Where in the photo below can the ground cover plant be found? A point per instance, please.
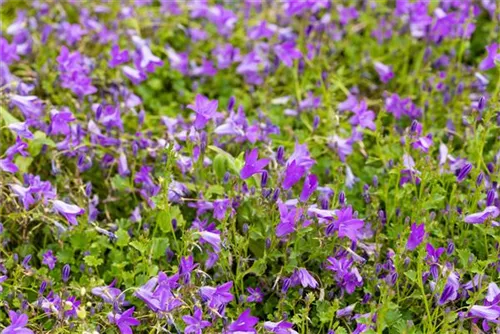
(250, 166)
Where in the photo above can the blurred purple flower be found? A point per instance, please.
(417, 235)
(252, 165)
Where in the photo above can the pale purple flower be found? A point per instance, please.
(49, 259)
(68, 211)
(480, 217)
(205, 110)
(21, 129)
(385, 72)
(17, 325)
(491, 312)
(287, 53)
(135, 75)
(281, 327)
(301, 276)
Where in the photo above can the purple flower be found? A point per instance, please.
(492, 54)
(282, 327)
(288, 219)
(49, 259)
(17, 324)
(8, 166)
(363, 116)
(118, 57)
(287, 52)
(186, 267)
(480, 217)
(135, 75)
(385, 72)
(252, 165)
(256, 295)
(293, 174)
(21, 129)
(347, 278)
(124, 320)
(195, 323)
(310, 185)
(301, 276)
(491, 312)
(66, 271)
(417, 235)
(68, 211)
(245, 324)
(109, 294)
(205, 110)
(493, 294)
(19, 147)
(463, 172)
(423, 143)
(212, 238)
(59, 121)
(450, 291)
(218, 296)
(345, 224)
(8, 52)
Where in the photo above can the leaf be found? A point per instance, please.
(40, 139)
(7, 117)
(119, 183)
(159, 247)
(123, 238)
(141, 247)
(165, 217)
(219, 165)
(258, 267)
(411, 274)
(215, 189)
(93, 261)
(23, 163)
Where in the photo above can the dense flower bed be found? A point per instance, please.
(250, 166)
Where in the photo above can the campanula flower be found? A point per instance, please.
(244, 324)
(17, 325)
(480, 217)
(124, 320)
(417, 235)
(68, 211)
(253, 165)
(195, 323)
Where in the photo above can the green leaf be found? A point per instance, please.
(411, 274)
(214, 189)
(123, 238)
(23, 163)
(219, 165)
(92, 261)
(119, 183)
(40, 139)
(164, 218)
(159, 247)
(7, 117)
(141, 247)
